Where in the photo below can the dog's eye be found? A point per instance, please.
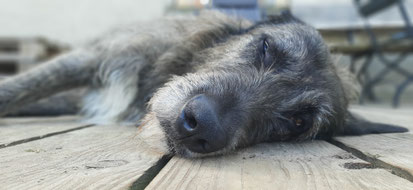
(298, 122)
(265, 47)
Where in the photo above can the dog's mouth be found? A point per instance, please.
(189, 146)
(178, 147)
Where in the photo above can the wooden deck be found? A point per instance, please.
(62, 153)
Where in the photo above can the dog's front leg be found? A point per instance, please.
(65, 72)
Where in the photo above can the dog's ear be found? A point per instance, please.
(356, 125)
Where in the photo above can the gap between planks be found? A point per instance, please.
(375, 161)
(43, 136)
(398, 117)
(102, 157)
(391, 151)
(143, 181)
(15, 131)
(310, 165)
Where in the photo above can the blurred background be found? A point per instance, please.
(372, 38)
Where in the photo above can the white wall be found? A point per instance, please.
(72, 21)
(343, 13)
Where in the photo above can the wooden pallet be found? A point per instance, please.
(61, 153)
(17, 54)
(356, 40)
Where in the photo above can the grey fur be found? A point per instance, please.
(212, 54)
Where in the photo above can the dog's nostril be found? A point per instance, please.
(189, 121)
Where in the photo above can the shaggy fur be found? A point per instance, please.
(271, 81)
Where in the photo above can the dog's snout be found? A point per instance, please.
(199, 125)
(199, 112)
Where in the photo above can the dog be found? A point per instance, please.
(204, 85)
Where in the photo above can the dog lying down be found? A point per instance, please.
(204, 85)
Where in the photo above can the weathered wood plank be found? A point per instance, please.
(99, 157)
(309, 165)
(401, 117)
(15, 130)
(391, 151)
(355, 40)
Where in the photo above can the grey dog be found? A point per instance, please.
(204, 85)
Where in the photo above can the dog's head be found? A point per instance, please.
(272, 82)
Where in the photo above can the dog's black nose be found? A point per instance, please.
(199, 125)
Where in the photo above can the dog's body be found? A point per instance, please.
(218, 83)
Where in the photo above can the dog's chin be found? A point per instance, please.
(186, 153)
(182, 151)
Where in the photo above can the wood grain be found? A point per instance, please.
(19, 129)
(100, 157)
(401, 117)
(308, 165)
(390, 151)
(396, 150)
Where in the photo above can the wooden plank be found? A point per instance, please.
(100, 157)
(18, 130)
(401, 117)
(308, 165)
(391, 151)
(357, 40)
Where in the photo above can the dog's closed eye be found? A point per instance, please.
(265, 47)
(267, 58)
(299, 123)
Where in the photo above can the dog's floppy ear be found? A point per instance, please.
(356, 125)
